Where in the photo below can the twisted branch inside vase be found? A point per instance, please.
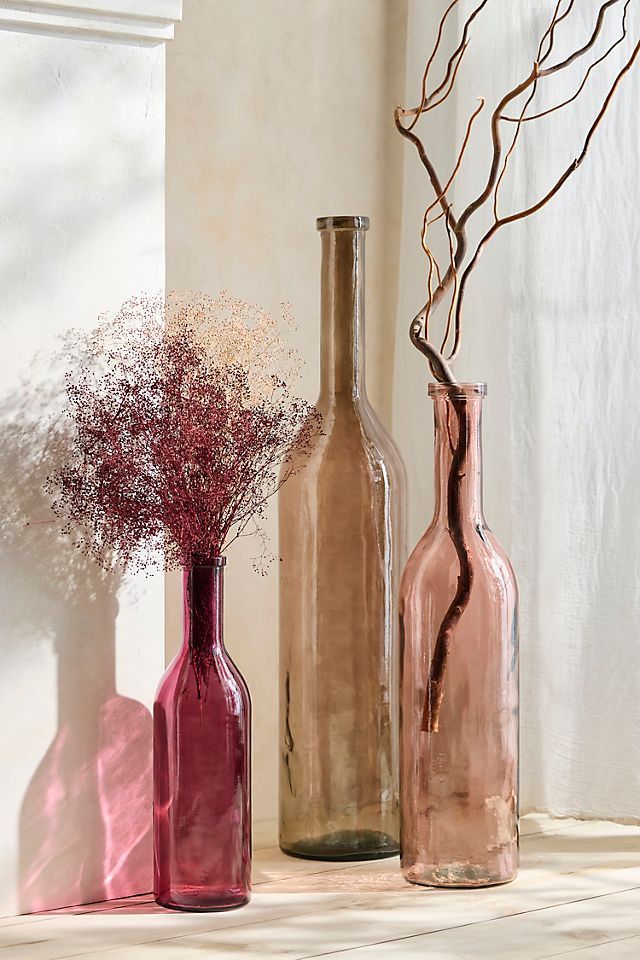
(453, 276)
(457, 473)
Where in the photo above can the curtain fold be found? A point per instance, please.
(551, 323)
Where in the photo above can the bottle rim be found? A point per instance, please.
(342, 223)
(458, 390)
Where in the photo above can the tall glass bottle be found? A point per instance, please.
(341, 547)
(201, 761)
(459, 674)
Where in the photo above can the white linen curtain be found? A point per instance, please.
(552, 324)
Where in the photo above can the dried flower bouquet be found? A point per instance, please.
(182, 419)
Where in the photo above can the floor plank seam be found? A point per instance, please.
(185, 936)
(590, 946)
(315, 873)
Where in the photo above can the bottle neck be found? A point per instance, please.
(342, 313)
(458, 459)
(203, 593)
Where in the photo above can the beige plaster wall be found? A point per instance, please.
(278, 112)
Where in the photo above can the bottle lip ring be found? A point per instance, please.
(342, 223)
(465, 391)
(210, 562)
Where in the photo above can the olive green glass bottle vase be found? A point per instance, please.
(341, 545)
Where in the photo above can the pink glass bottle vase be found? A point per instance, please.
(459, 679)
(201, 742)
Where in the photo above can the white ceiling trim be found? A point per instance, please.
(150, 21)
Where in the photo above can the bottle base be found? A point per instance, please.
(456, 877)
(194, 904)
(344, 846)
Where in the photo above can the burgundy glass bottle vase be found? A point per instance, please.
(201, 759)
(459, 674)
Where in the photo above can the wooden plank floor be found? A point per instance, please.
(578, 897)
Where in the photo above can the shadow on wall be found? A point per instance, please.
(85, 818)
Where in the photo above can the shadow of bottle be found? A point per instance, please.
(85, 819)
(85, 827)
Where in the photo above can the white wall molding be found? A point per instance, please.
(148, 21)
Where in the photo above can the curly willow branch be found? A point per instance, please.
(459, 266)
